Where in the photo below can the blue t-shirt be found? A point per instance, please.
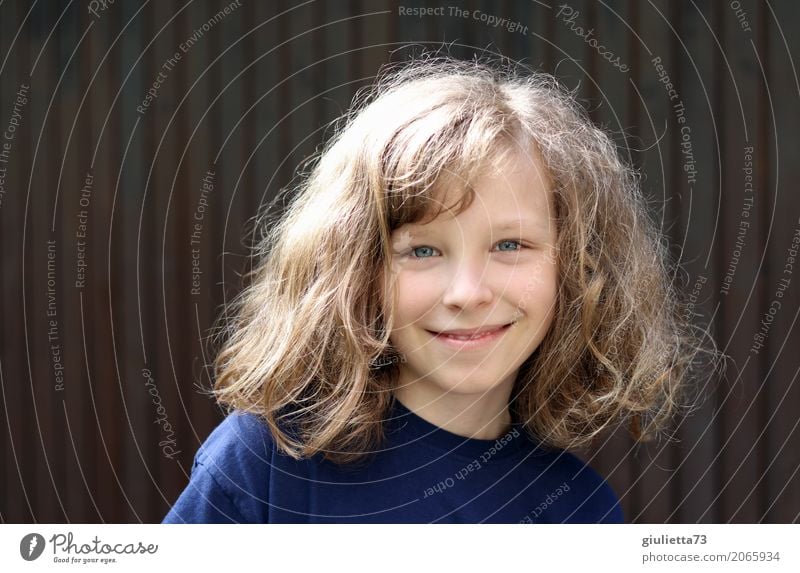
(421, 474)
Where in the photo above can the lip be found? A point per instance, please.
(483, 336)
(468, 331)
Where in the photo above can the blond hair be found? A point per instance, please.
(307, 345)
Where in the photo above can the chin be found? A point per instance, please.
(477, 383)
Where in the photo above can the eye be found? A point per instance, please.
(425, 250)
(507, 242)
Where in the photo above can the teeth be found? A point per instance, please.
(473, 336)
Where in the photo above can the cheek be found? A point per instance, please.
(535, 290)
(416, 296)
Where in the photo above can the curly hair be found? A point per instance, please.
(307, 343)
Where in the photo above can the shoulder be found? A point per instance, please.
(592, 499)
(230, 475)
(238, 454)
(241, 438)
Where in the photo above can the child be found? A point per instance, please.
(466, 284)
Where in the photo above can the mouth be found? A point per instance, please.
(471, 338)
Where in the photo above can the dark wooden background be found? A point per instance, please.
(248, 101)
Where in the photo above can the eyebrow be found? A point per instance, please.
(520, 224)
(508, 225)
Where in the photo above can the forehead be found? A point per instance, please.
(513, 190)
(506, 173)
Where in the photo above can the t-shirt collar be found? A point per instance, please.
(405, 427)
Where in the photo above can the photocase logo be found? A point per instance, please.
(31, 546)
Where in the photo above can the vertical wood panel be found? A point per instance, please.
(140, 453)
(156, 269)
(695, 60)
(781, 479)
(36, 236)
(75, 420)
(747, 297)
(698, 435)
(18, 475)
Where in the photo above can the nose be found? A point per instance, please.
(467, 285)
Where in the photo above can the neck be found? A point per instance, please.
(484, 417)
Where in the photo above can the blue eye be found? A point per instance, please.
(506, 242)
(425, 252)
(415, 250)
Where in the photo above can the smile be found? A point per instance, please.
(470, 341)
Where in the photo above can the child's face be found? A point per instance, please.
(492, 265)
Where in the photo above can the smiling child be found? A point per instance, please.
(464, 287)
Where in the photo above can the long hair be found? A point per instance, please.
(306, 344)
